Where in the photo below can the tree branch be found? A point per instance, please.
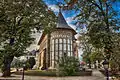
(99, 7)
(18, 23)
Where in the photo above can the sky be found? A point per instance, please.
(53, 5)
(68, 15)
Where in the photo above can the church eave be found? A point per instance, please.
(73, 31)
(41, 38)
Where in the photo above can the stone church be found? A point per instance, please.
(61, 41)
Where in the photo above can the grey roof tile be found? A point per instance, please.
(62, 22)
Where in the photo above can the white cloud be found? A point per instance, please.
(80, 52)
(69, 21)
(34, 44)
(37, 36)
(55, 8)
(72, 26)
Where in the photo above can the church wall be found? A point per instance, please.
(42, 48)
(75, 48)
(43, 44)
(61, 42)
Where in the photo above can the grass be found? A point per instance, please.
(37, 73)
(52, 73)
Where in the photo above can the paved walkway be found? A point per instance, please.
(96, 76)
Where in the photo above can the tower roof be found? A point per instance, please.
(62, 22)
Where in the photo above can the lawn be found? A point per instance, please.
(52, 73)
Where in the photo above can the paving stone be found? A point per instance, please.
(96, 76)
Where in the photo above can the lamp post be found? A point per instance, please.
(23, 59)
(106, 67)
(23, 72)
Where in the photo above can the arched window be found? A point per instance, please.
(52, 53)
(52, 45)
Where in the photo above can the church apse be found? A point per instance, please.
(59, 42)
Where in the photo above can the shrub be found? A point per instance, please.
(16, 63)
(68, 65)
(31, 62)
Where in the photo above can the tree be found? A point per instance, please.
(16, 63)
(18, 20)
(102, 23)
(31, 61)
(114, 61)
(86, 47)
(96, 56)
(68, 65)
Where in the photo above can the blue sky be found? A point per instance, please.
(117, 6)
(70, 14)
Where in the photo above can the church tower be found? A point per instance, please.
(61, 42)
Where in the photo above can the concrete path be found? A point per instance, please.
(96, 76)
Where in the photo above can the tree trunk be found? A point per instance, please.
(6, 66)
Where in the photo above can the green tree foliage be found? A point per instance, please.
(18, 20)
(87, 47)
(95, 56)
(31, 61)
(115, 59)
(16, 63)
(101, 19)
(102, 24)
(68, 65)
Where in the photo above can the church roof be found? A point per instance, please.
(62, 22)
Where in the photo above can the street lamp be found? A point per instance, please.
(23, 59)
(23, 72)
(106, 67)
